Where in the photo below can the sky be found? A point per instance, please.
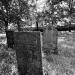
(40, 4)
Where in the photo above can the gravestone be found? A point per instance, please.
(50, 41)
(28, 52)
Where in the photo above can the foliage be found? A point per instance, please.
(48, 13)
(13, 14)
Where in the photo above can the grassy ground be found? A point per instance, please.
(8, 62)
(61, 64)
(64, 62)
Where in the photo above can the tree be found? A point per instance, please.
(2, 26)
(11, 12)
(15, 11)
(4, 12)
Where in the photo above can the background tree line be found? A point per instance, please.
(45, 12)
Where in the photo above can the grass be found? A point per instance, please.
(64, 62)
(7, 61)
(61, 64)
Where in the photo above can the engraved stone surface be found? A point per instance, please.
(50, 41)
(28, 51)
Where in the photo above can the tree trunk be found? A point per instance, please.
(18, 23)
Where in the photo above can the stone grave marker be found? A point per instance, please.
(28, 52)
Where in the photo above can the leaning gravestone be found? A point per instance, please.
(28, 52)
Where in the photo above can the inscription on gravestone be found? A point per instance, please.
(28, 51)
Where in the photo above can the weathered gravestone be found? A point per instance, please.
(28, 51)
(50, 41)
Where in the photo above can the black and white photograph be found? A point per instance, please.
(37, 37)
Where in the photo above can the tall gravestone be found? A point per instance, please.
(28, 52)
